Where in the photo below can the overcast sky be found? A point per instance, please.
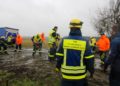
(36, 16)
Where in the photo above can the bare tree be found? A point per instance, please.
(107, 17)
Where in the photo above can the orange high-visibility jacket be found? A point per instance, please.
(42, 37)
(19, 40)
(103, 43)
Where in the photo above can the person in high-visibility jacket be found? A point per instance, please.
(58, 38)
(52, 43)
(3, 45)
(9, 39)
(74, 57)
(103, 45)
(93, 43)
(42, 37)
(37, 43)
(19, 41)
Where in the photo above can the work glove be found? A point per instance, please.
(57, 70)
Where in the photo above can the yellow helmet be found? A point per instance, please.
(75, 23)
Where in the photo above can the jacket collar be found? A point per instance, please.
(76, 32)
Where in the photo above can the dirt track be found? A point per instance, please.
(22, 65)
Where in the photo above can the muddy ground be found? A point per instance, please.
(22, 65)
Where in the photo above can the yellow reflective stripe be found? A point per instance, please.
(72, 71)
(51, 55)
(59, 54)
(74, 44)
(82, 56)
(51, 39)
(65, 54)
(74, 77)
(89, 57)
(74, 67)
(78, 26)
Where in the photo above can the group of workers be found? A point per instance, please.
(12, 40)
(37, 41)
(75, 55)
(100, 47)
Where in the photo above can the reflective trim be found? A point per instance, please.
(65, 54)
(51, 55)
(77, 26)
(89, 57)
(74, 44)
(72, 71)
(59, 54)
(80, 23)
(74, 67)
(74, 77)
(82, 57)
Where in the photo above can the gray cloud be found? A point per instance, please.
(36, 16)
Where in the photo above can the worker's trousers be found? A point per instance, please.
(19, 46)
(82, 82)
(103, 56)
(37, 46)
(52, 52)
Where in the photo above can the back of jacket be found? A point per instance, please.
(19, 40)
(74, 57)
(103, 43)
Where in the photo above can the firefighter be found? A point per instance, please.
(114, 57)
(103, 45)
(52, 43)
(37, 43)
(42, 37)
(19, 41)
(14, 35)
(93, 44)
(74, 57)
(9, 39)
(3, 45)
(58, 37)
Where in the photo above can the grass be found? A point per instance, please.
(10, 79)
(27, 43)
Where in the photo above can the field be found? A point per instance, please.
(22, 69)
(27, 43)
